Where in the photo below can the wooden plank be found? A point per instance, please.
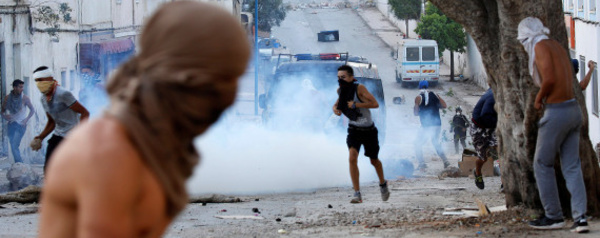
(429, 188)
(235, 217)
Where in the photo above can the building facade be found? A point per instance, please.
(584, 32)
(82, 41)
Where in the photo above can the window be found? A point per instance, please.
(26, 85)
(17, 62)
(412, 54)
(428, 53)
(580, 5)
(595, 91)
(593, 6)
(571, 4)
(63, 78)
(72, 80)
(119, 1)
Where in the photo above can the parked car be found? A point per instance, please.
(417, 60)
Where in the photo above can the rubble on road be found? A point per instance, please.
(30, 194)
(214, 198)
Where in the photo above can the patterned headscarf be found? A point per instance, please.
(183, 78)
(14, 102)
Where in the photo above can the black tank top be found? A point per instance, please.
(430, 113)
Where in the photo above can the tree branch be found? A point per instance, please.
(471, 11)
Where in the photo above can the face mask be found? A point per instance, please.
(344, 83)
(44, 86)
(458, 113)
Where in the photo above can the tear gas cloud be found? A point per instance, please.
(295, 145)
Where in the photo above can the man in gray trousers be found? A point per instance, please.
(558, 129)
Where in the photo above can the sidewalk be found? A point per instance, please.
(383, 28)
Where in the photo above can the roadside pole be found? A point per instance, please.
(256, 57)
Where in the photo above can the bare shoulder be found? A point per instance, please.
(362, 88)
(547, 46)
(104, 138)
(418, 99)
(98, 149)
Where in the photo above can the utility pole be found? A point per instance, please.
(256, 57)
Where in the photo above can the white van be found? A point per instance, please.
(417, 60)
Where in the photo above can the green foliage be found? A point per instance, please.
(46, 15)
(436, 26)
(50, 17)
(406, 9)
(270, 13)
(65, 11)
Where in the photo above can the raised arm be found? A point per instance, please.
(586, 80)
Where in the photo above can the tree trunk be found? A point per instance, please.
(493, 26)
(451, 65)
(406, 24)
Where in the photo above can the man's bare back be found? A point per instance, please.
(555, 71)
(104, 188)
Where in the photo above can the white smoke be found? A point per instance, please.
(290, 152)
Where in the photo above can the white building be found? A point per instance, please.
(94, 35)
(584, 32)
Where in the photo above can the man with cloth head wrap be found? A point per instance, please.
(127, 176)
(61, 108)
(427, 107)
(558, 129)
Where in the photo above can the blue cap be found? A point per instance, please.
(423, 84)
(575, 65)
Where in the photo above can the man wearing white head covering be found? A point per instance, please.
(62, 109)
(558, 130)
(123, 174)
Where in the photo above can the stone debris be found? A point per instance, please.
(21, 175)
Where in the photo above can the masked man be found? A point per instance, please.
(123, 174)
(558, 129)
(427, 107)
(62, 109)
(355, 102)
(459, 126)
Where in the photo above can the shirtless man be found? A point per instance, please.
(559, 128)
(123, 174)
